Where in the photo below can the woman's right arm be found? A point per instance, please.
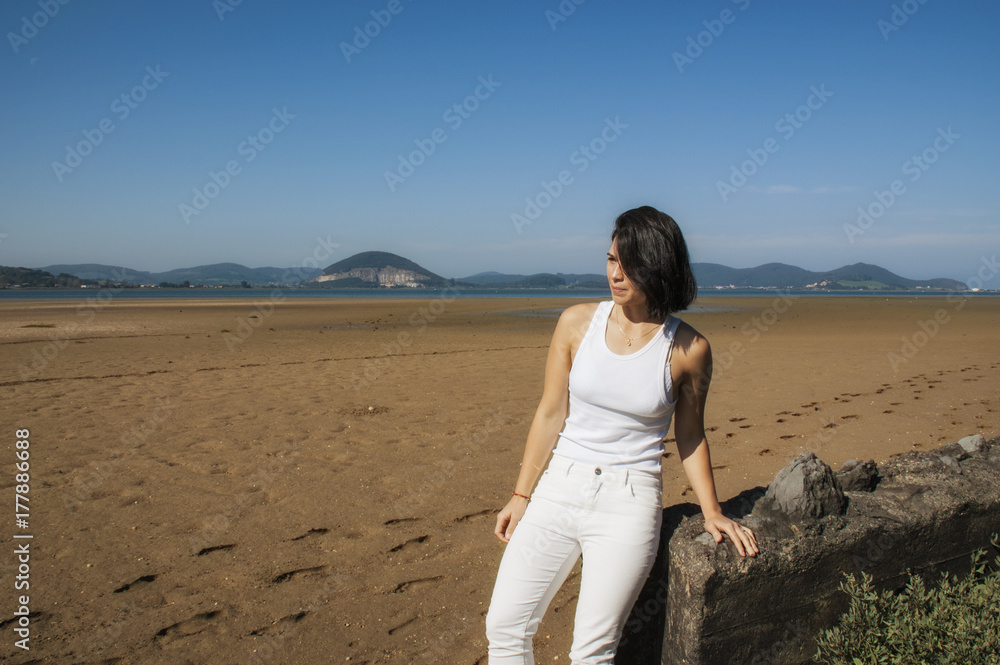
(550, 415)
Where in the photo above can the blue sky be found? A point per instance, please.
(762, 128)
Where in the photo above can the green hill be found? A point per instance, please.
(11, 277)
(375, 263)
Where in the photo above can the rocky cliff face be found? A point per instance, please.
(387, 276)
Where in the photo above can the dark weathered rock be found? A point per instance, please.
(951, 463)
(721, 608)
(972, 444)
(954, 450)
(855, 476)
(805, 489)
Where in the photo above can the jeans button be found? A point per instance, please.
(597, 471)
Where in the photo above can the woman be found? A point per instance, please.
(617, 372)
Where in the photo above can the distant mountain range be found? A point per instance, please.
(210, 275)
(384, 269)
(860, 276)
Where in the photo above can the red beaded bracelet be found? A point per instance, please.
(523, 496)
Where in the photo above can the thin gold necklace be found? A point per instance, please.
(628, 340)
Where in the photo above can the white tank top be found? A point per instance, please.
(619, 406)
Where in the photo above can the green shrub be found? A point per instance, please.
(956, 622)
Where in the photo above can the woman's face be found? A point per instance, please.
(623, 292)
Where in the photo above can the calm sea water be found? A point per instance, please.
(104, 295)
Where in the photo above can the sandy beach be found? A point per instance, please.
(279, 480)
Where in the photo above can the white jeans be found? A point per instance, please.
(610, 515)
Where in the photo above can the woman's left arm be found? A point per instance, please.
(695, 356)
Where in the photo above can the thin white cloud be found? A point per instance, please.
(937, 214)
(782, 189)
(826, 189)
(934, 240)
(793, 189)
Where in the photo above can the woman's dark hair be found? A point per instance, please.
(654, 256)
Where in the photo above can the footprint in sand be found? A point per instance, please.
(736, 420)
(849, 416)
(411, 541)
(281, 625)
(311, 532)
(145, 579)
(193, 626)
(397, 520)
(413, 584)
(215, 548)
(284, 577)
(481, 513)
(787, 436)
(404, 624)
(764, 451)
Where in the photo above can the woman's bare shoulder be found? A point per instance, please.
(574, 321)
(692, 345)
(578, 313)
